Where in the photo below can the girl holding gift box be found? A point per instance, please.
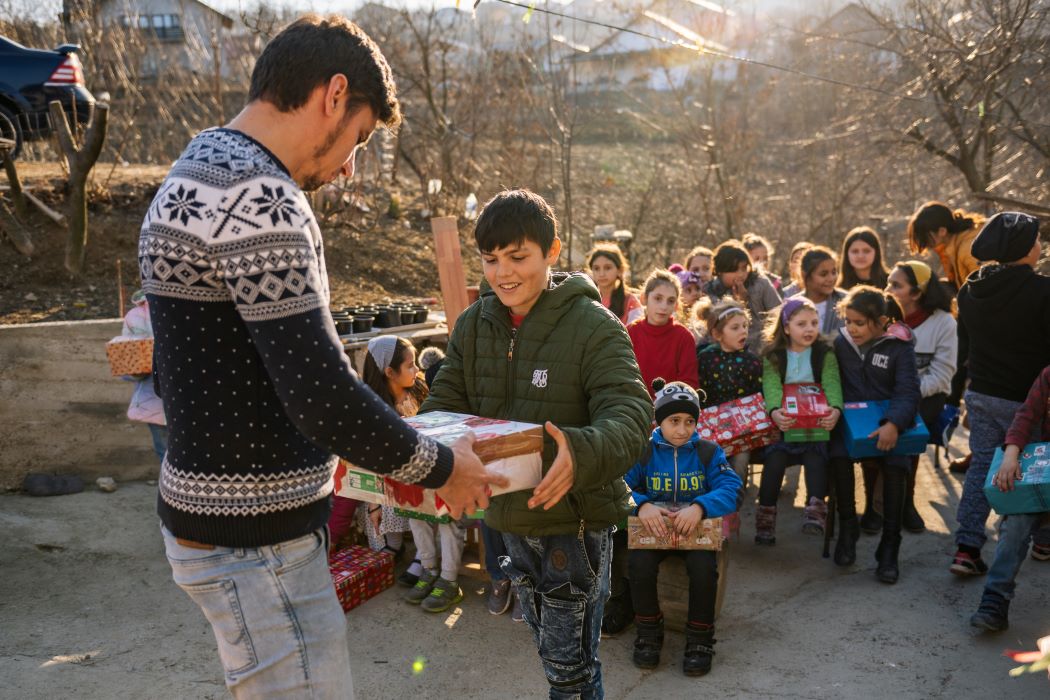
(726, 369)
(877, 362)
(610, 271)
(679, 468)
(795, 353)
(927, 309)
(663, 347)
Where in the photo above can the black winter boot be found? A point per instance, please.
(913, 522)
(888, 571)
(699, 649)
(893, 494)
(649, 642)
(846, 545)
(993, 613)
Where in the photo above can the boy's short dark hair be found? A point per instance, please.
(513, 217)
(309, 51)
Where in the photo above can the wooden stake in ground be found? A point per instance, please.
(450, 267)
(81, 160)
(18, 236)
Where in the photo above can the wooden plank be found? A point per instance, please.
(48, 211)
(450, 267)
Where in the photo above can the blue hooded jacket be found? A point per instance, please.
(676, 475)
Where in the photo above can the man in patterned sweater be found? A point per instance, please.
(258, 392)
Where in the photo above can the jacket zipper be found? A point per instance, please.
(674, 485)
(510, 368)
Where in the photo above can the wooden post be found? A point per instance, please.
(81, 160)
(6, 148)
(121, 302)
(450, 267)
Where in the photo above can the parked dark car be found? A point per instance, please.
(29, 80)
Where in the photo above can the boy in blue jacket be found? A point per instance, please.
(684, 479)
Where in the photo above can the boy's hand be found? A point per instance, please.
(783, 422)
(828, 422)
(689, 519)
(885, 437)
(1009, 470)
(467, 489)
(653, 518)
(560, 477)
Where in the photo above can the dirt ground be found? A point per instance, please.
(88, 610)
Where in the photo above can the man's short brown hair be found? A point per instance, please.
(309, 51)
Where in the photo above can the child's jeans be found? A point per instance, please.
(1015, 533)
(702, 567)
(563, 581)
(494, 549)
(453, 538)
(990, 418)
(159, 433)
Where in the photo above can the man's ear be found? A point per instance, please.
(335, 95)
(554, 252)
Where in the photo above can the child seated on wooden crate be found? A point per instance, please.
(678, 468)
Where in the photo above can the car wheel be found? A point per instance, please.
(11, 129)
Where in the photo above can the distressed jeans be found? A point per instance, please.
(990, 418)
(562, 582)
(277, 621)
(1015, 532)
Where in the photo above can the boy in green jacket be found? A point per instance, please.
(540, 348)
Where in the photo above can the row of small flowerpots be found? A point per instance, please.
(362, 319)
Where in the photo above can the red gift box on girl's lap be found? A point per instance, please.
(807, 404)
(359, 573)
(740, 425)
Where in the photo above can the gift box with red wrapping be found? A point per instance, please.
(359, 573)
(807, 404)
(741, 425)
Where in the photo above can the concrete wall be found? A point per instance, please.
(61, 411)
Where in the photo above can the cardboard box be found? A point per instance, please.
(506, 447)
(358, 574)
(708, 536)
(1032, 493)
(862, 418)
(740, 425)
(807, 404)
(130, 355)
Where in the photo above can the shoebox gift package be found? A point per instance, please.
(506, 447)
(1032, 493)
(807, 404)
(862, 418)
(359, 574)
(740, 425)
(708, 536)
(130, 355)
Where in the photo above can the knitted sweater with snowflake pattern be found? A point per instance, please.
(259, 395)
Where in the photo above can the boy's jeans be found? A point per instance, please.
(562, 582)
(1015, 532)
(279, 626)
(494, 549)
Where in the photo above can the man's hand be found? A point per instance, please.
(468, 487)
(828, 422)
(653, 518)
(688, 519)
(885, 437)
(1009, 470)
(783, 422)
(560, 477)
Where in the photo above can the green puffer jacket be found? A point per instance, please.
(570, 362)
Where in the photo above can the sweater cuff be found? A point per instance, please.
(442, 469)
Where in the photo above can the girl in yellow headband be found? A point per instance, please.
(927, 311)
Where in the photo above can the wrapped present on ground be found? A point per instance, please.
(1032, 493)
(740, 425)
(807, 404)
(708, 536)
(130, 355)
(359, 574)
(862, 418)
(509, 448)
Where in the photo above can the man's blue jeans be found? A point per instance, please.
(1015, 533)
(562, 582)
(279, 626)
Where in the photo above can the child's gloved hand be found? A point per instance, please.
(559, 478)
(828, 422)
(783, 422)
(653, 517)
(688, 519)
(885, 437)
(1009, 470)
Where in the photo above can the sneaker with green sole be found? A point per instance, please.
(418, 593)
(443, 596)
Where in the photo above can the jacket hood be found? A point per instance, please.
(896, 332)
(659, 439)
(996, 285)
(562, 288)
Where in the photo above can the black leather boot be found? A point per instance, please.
(893, 494)
(649, 641)
(846, 545)
(888, 570)
(699, 649)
